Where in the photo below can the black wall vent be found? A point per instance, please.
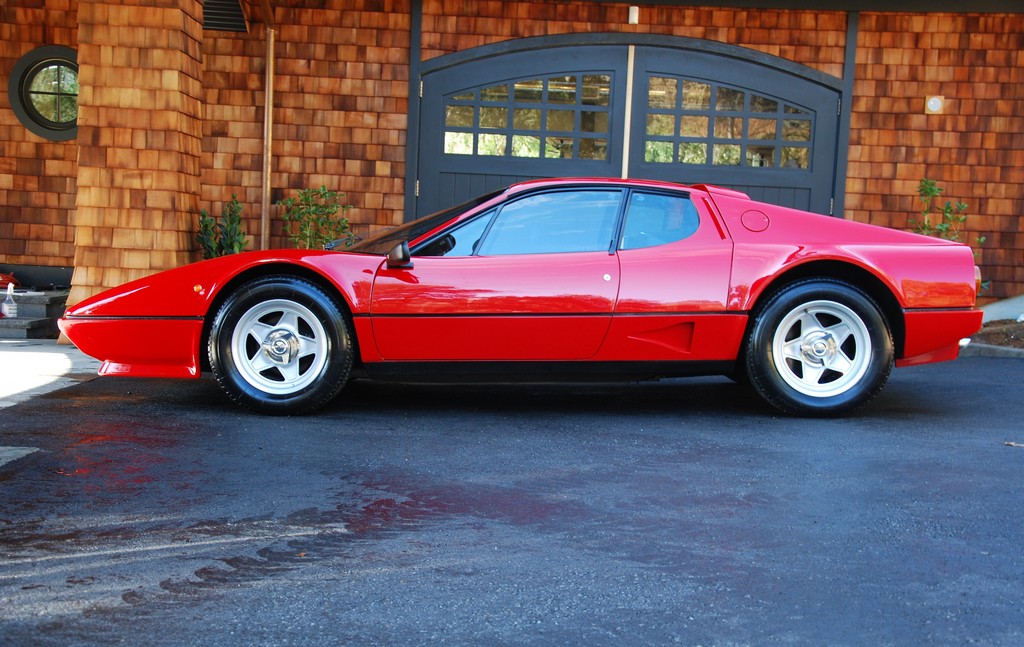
(223, 15)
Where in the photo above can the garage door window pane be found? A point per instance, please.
(562, 120)
(593, 149)
(593, 122)
(546, 118)
(597, 90)
(662, 125)
(726, 155)
(459, 116)
(763, 104)
(562, 90)
(526, 119)
(531, 91)
(762, 128)
(760, 156)
(796, 130)
(558, 147)
(796, 158)
(751, 134)
(493, 118)
(729, 99)
(693, 153)
(525, 146)
(491, 145)
(458, 143)
(497, 93)
(659, 152)
(662, 93)
(728, 127)
(690, 126)
(696, 96)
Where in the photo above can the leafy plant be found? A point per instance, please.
(313, 220)
(224, 235)
(951, 217)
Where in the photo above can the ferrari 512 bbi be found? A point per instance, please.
(556, 280)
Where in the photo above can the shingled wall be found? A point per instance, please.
(974, 149)
(38, 178)
(341, 107)
(139, 139)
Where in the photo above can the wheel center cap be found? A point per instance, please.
(281, 346)
(818, 346)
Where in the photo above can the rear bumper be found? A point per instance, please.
(934, 335)
(138, 347)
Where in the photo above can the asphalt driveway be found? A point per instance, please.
(153, 512)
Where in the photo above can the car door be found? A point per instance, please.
(675, 265)
(534, 279)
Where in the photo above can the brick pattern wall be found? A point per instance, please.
(139, 139)
(341, 106)
(974, 150)
(37, 176)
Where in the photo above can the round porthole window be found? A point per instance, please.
(43, 90)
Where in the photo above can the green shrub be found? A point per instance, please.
(224, 235)
(312, 220)
(951, 217)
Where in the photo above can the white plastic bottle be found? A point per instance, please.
(10, 308)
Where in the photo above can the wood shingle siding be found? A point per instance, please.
(139, 140)
(341, 106)
(171, 117)
(37, 177)
(974, 150)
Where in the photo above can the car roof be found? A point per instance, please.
(528, 185)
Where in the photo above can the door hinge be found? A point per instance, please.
(839, 108)
(421, 88)
(831, 206)
(416, 190)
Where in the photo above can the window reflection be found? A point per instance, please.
(521, 118)
(752, 134)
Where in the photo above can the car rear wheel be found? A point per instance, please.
(819, 347)
(280, 345)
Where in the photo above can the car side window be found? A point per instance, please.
(461, 240)
(658, 219)
(554, 222)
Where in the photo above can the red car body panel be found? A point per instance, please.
(683, 301)
(523, 307)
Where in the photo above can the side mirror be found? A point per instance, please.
(399, 257)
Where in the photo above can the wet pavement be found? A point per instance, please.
(154, 512)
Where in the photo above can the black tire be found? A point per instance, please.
(819, 347)
(280, 346)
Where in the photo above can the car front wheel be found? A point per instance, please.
(819, 347)
(280, 345)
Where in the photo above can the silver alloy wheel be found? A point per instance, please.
(821, 349)
(279, 347)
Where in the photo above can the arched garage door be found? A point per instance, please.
(693, 112)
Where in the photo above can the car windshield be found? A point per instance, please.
(384, 241)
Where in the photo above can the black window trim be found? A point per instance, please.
(18, 82)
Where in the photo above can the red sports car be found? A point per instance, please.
(566, 279)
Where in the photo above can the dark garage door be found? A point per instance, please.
(700, 113)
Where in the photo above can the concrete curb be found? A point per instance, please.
(988, 350)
